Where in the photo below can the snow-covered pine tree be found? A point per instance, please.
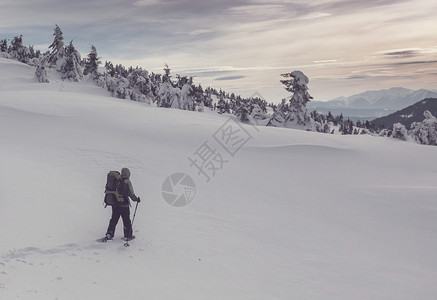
(221, 104)
(187, 94)
(33, 56)
(56, 56)
(140, 84)
(168, 95)
(242, 111)
(17, 50)
(425, 132)
(121, 89)
(110, 70)
(3, 45)
(207, 100)
(338, 120)
(72, 69)
(92, 64)
(199, 98)
(330, 117)
(298, 115)
(257, 113)
(279, 117)
(41, 71)
(347, 127)
(399, 132)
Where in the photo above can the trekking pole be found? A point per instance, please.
(132, 224)
(135, 212)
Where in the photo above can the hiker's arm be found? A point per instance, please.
(131, 191)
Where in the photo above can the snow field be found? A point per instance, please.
(294, 215)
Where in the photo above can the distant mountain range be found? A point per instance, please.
(408, 115)
(372, 104)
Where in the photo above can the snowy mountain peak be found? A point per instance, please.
(391, 99)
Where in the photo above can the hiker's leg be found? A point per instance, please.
(127, 224)
(114, 220)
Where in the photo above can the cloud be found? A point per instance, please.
(417, 62)
(403, 53)
(145, 2)
(231, 77)
(353, 6)
(408, 52)
(325, 61)
(314, 15)
(201, 31)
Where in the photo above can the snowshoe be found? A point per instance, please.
(127, 239)
(106, 238)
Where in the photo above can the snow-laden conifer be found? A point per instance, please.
(279, 116)
(296, 114)
(17, 50)
(139, 83)
(399, 132)
(57, 53)
(71, 68)
(186, 99)
(425, 132)
(168, 95)
(41, 71)
(92, 63)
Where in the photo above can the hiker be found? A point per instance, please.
(122, 209)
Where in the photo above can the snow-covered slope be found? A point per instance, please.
(293, 215)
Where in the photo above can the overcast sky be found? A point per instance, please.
(242, 46)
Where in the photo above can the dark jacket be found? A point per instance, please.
(125, 174)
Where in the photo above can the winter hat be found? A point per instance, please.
(125, 173)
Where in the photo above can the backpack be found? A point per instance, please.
(115, 189)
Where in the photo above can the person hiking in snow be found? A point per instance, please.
(122, 209)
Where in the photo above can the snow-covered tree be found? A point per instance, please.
(199, 98)
(17, 50)
(279, 117)
(347, 127)
(425, 132)
(33, 57)
(71, 69)
(187, 95)
(140, 84)
(257, 113)
(92, 63)
(3, 45)
(110, 69)
(119, 87)
(242, 111)
(168, 95)
(57, 54)
(296, 114)
(221, 105)
(41, 71)
(399, 132)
